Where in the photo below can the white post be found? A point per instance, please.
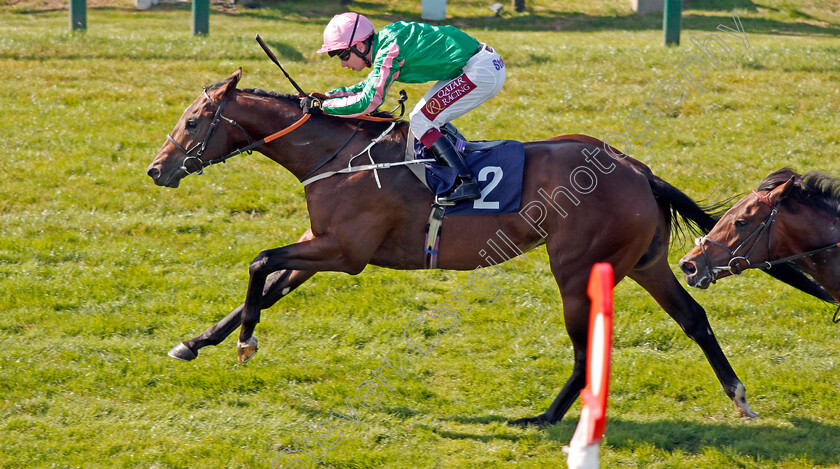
(642, 7)
(579, 454)
(434, 10)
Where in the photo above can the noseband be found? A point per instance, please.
(194, 160)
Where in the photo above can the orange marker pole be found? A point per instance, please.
(583, 449)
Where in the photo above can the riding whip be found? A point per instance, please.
(277, 62)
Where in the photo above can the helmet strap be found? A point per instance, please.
(368, 43)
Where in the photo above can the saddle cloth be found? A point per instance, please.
(497, 165)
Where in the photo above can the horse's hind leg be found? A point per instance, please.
(214, 335)
(659, 281)
(278, 285)
(576, 317)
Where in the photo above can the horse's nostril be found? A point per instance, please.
(688, 267)
(154, 173)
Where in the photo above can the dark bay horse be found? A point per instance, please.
(623, 215)
(789, 217)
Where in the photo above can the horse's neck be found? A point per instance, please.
(812, 229)
(825, 268)
(263, 116)
(812, 226)
(307, 146)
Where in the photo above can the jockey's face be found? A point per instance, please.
(354, 62)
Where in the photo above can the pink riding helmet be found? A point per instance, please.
(344, 31)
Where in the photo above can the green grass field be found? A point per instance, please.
(102, 272)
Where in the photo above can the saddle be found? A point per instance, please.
(436, 177)
(498, 166)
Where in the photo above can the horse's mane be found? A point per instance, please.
(814, 188)
(289, 98)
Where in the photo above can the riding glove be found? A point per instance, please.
(311, 105)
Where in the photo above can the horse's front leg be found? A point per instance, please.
(278, 285)
(323, 253)
(660, 282)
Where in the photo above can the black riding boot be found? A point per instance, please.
(465, 186)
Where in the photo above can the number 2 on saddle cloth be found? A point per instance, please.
(497, 166)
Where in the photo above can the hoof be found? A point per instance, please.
(539, 422)
(740, 401)
(246, 350)
(748, 413)
(182, 352)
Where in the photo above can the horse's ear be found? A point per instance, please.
(233, 80)
(781, 192)
(227, 86)
(235, 76)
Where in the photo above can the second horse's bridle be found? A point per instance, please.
(734, 264)
(734, 267)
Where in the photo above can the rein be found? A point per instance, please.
(199, 164)
(193, 164)
(368, 167)
(307, 178)
(248, 148)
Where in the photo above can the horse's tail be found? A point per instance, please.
(684, 214)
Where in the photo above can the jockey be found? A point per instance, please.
(467, 73)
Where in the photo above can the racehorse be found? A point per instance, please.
(624, 217)
(788, 218)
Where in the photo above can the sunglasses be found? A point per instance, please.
(343, 54)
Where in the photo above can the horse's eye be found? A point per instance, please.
(740, 223)
(192, 124)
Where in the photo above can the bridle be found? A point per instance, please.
(734, 265)
(198, 148)
(193, 164)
